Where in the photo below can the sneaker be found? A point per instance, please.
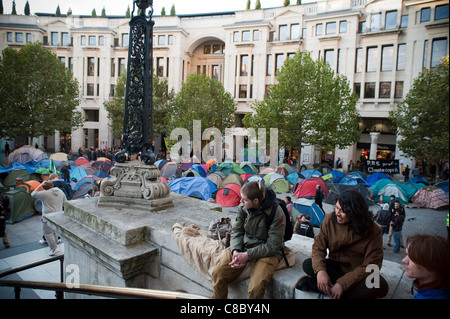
(306, 283)
(53, 252)
(59, 240)
(43, 242)
(389, 244)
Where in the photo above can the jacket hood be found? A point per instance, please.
(268, 202)
(54, 191)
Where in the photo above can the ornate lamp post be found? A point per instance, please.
(137, 184)
(138, 118)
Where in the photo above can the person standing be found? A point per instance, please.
(65, 171)
(5, 212)
(53, 200)
(318, 198)
(397, 225)
(289, 205)
(427, 261)
(348, 242)
(263, 246)
(397, 207)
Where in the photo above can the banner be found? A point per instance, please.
(383, 166)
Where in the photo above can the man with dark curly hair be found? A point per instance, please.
(354, 245)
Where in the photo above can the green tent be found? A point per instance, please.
(10, 180)
(276, 182)
(21, 204)
(231, 178)
(228, 167)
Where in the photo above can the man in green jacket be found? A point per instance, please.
(252, 240)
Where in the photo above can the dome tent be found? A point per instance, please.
(229, 196)
(198, 187)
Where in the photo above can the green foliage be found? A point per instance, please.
(163, 12)
(94, 13)
(26, 10)
(13, 11)
(258, 5)
(103, 13)
(39, 95)
(247, 7)
(58, 11)
(205, 99)
(309, 105)
(286, 3)
(69, 12)
(172, 11)
(128, 13)
(161, 100)
(422, 118)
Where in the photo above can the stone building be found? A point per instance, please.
(380, 46)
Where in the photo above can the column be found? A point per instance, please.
(373, 145)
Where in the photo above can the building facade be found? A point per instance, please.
(380, 46)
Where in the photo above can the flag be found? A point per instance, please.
(52, 167)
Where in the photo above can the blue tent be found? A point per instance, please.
(373, 178)
(308, 208)
(353, 180)
(199, 169)
(443, 185)
(310, 172)
(292, 177)
(418, 179)
(334, 176)
(199, 187)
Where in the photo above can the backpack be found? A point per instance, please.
(288, 230)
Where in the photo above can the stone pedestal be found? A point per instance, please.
(135, 185)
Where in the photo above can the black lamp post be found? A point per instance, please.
(138, 118)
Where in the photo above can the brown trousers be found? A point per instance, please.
(261, 272)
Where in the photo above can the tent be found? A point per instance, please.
(229, 196)
(168, 170)
(27, 153)
(187, 163)
(402, 192)
(255, 178)
(307, 188)
(431, 197)
(104, 165)
(59, 157)
(358, 173)
(248, 167)
(211, 165)
(335, 189)
(160, 163)
(373, 178)
(443, 185)
(198, 187)
(81, 161)
(82, 190)
(334, 175)
(85, 179)
(10, 179)
(276, 182)
(292, 177)
(229, 167)
(308, 207)
(245, 176)
(216, 178)
(418, 179)
(282, 171)
(28, 186)
(21, 204)
(199, 169)
(311, 173)
(266, 170)
(353, 180)
(231, 178)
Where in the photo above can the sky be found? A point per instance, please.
(119, 7)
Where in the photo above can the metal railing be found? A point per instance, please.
(93, 290)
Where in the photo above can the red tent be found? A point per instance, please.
(307, 188)
(229, 196)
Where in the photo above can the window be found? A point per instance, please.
(283, 32)
(170, 39)
(295, 31)
(369, 90)
(375, 22)
(236, 36)
(121, 66)
(401, 57)
(385, 90)
(101, 40)
(330, 28)
(242, 91)
(207, 49)
(161, 40)
(357, 89)
(391, 20)
(362, 27)
(65, 38)
(54, 38)
(304, 33)
(90, 89)
(90, 70)
(255, 35)
(398, 90)
(112, 89)
(269, 65)
(216, 49)
(91, 115)
(404, 21)
(319, 29)
(246, 36)
(92, 40)
(372, 59)
(215, 72)
(425, 14)
(29, 38)
(343, 26)
(279, 61)
(62, 59)
(359, 60)
(441, 12)
(19, 37)
(113, 67)
(387, 58)
(70, 63)
(244, 65)
(125, 39)
(329, 58)
(9, 37)
(83, 40)
(425, 54)
(438, 51)
(160, 67)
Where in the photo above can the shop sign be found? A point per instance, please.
(383, 166)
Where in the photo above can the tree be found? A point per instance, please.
(299, 2)
(172, 11)
(69, 12)
(1, 6)
(13, 11)
(58, 11)
(127, 13)
(286, 3)
(247, 7)
(258, 5)
(103, 13)
(163, 12)
(422, 118)
(39, 94)
(309, 105)
(94, 13)
(26, 10)
(162, 97)
(205, 99)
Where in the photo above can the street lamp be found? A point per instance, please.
(138, 115)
